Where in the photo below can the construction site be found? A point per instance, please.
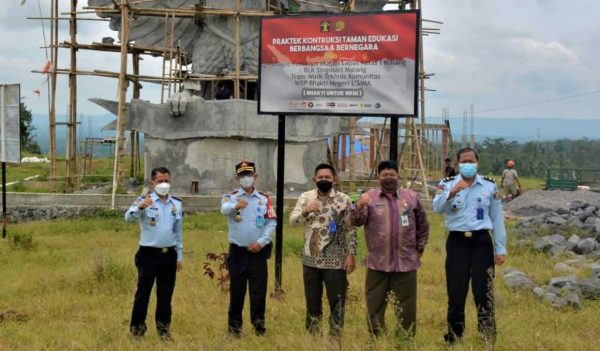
(209, 48)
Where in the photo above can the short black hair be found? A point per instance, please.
(448, 159)
(465, 150)
(157, 170)
(321, 166)
(388, 164)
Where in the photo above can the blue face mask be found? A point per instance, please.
(467, 170)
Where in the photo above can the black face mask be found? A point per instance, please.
(324, 186)
(389, 184)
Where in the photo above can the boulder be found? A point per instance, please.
(543, 244)
(561, 282)
(556, 220)
(515, 279)
(590, 288)
(563, 267)
(586, 246)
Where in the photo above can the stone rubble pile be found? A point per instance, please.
(572, 232)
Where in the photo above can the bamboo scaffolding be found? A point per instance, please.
(72, 127)
(119, 147)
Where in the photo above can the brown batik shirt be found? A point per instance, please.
(322, 247)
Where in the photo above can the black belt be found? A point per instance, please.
(157, 249)
(471, 233)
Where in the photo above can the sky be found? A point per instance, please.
(492, 54)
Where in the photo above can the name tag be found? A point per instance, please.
(404, 219)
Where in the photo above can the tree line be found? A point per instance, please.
(533, 158)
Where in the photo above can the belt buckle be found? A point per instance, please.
(468, 234)
(164, 250)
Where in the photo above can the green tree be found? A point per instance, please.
(27, 129)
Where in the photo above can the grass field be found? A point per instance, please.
(69, 285)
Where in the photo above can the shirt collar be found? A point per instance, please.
(331, 193)
(156, 198)
(243, 192)
(478, 179)
(383, 193)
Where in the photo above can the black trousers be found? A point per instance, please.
(160, 265)
(336, 284)
(470, 258)
(247, 271)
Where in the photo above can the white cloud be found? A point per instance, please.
(546, 51)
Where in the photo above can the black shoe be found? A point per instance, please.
(165, 336)
(451, 339)
(137, 331)
(234, 332)
(260, 331)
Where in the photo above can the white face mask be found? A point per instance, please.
(162, 189)
(246, 182)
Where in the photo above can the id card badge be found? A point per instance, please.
(404, 219)
(480, 213)
(332, 227)
(260, 221)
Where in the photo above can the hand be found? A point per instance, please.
(350, 264)
(500, 259)
(254, 247)
(179, 266)
(145, 203)
(362, 201)
(241, 204)
(458, 187)
(314, 206)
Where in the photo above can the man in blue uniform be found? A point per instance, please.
(251, 221)
(473, 211)
(160, 253)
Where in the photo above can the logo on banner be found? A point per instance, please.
(310, 104)
(339, 26)
(325, 26)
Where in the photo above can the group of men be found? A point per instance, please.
(396, 233)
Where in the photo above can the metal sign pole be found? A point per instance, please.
(280, 184)
(394, 139)
(3, 200)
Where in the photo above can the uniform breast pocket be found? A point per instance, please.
(456, 204)
(151, 214)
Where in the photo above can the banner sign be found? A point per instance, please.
(357, 64)
(10, 127)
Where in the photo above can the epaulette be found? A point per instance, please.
(233, 192)
(264, 193)
(489, 179)
(176, 198)
(447, 179)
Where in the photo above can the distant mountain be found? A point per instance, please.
(520, 130)
(89, 127)
(529, 129)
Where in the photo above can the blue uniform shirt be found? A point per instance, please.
(250, 228)
(461, 211)
(160, 222)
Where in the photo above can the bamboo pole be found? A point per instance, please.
(164, 56)
(237, 52)
(171, 55)
(72, 126)
(133, 135)
(53, 76)
(119, 147)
